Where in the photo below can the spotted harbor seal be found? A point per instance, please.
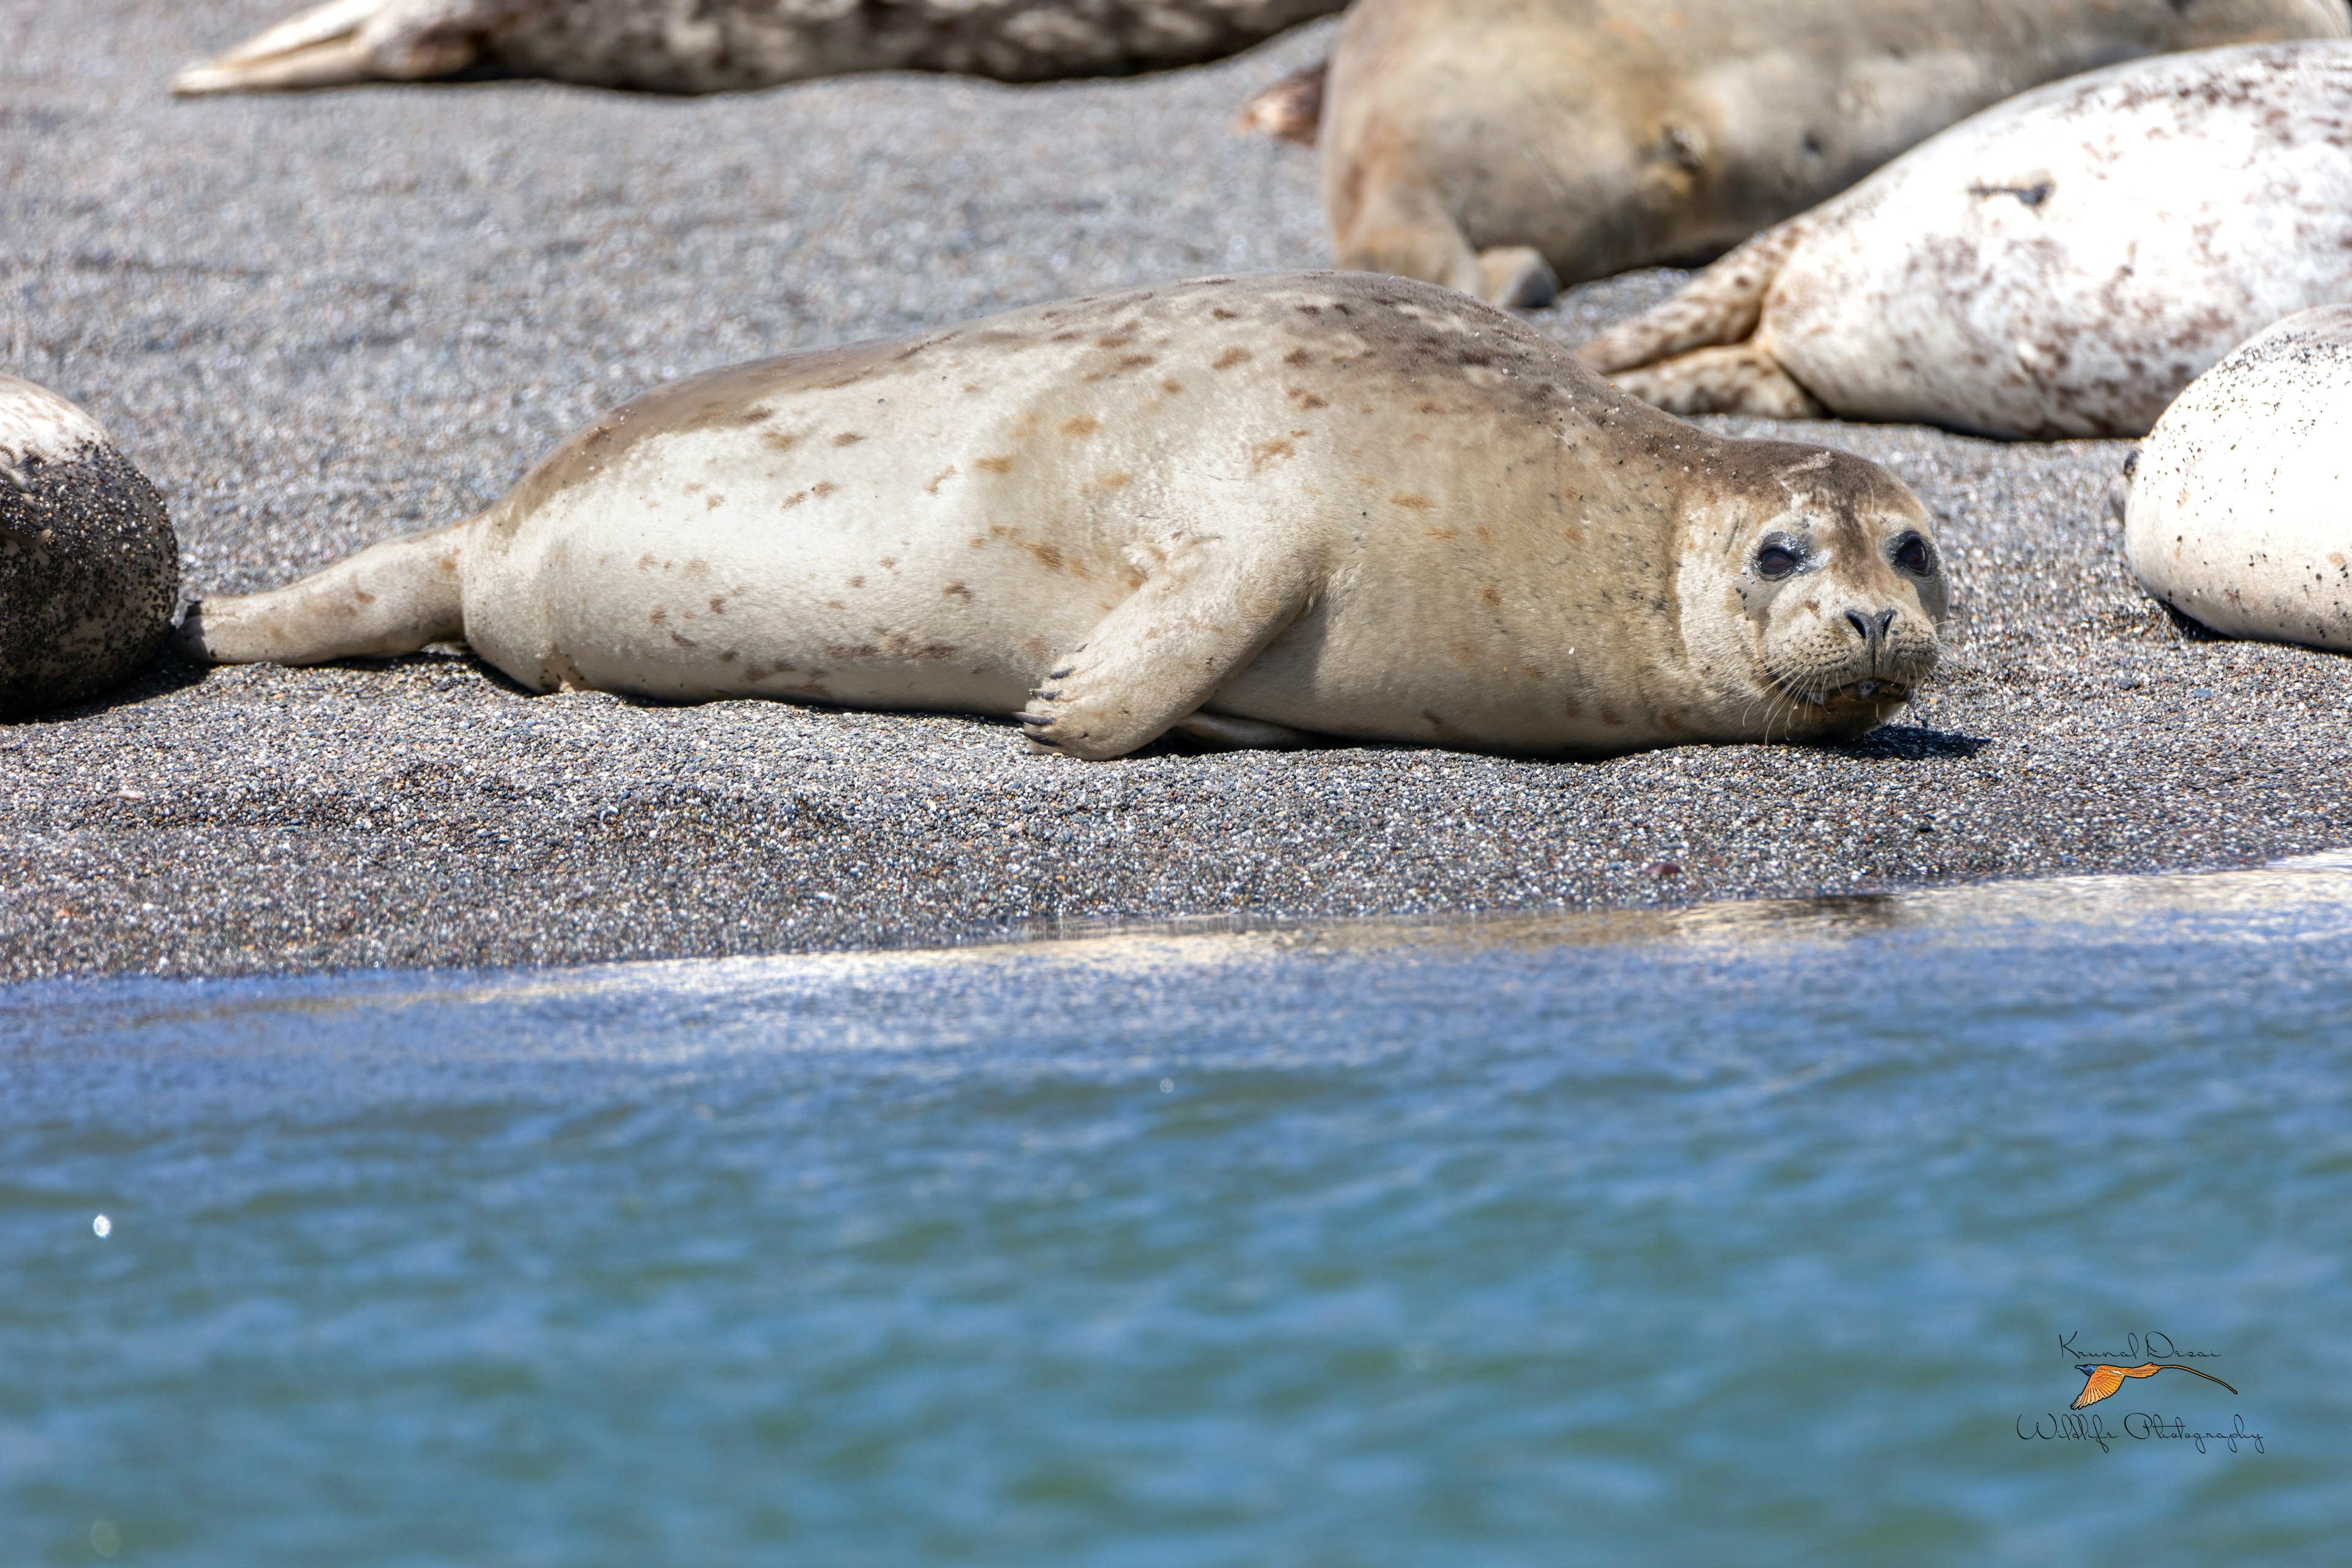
(90, 571)
(2236, 511)
(722, 45)
(1327, 502)
(2060, 265)
(1494, 144)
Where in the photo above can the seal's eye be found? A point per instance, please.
(1775, 559)
(1912, 555)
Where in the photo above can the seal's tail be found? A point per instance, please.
(391, 598)
(1718, 308)
(1742, 379)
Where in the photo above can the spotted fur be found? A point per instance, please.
(2235, 511)
(2060, 265)
(1325, 502)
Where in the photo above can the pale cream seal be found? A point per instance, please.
(2060, 265)
(1331, 503)
(2239, 505)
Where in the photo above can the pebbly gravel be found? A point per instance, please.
(317, 320)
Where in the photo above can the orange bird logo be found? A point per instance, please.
(2104, 1380)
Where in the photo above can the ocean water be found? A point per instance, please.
(1761, 1234)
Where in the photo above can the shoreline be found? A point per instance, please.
(2099, 902)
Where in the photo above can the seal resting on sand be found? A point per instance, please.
(2238, 510)
(1331, 503)
(722, 45)
(1474, 141)
(90, 571)
(2060, 265)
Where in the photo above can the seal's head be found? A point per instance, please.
(1825, 584)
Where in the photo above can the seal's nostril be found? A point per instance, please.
(1886, 621)
(1855, 619)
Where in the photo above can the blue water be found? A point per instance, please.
(1746, 1236)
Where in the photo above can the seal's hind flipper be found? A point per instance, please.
(391, 598)
(340, 43)
(1719, 306)
(1742, 380)
(319, 47)
(1290, 111)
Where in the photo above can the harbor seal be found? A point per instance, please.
(2060, 265)
(2235, 511)
(726, 45)
(89, 570)
(1323, 503)
(1497, 144)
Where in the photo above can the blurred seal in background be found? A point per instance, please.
(723, 45)
(1504, 146)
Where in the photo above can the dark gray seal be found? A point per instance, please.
(90, 571)
(724, 45)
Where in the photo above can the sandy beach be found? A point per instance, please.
(317, 320)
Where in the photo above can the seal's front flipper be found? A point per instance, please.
(1743, 379)
(1150, 663)
(1401, 226)
(1720, 305)
(336, 45)
(1518, 278)
(392, 599)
